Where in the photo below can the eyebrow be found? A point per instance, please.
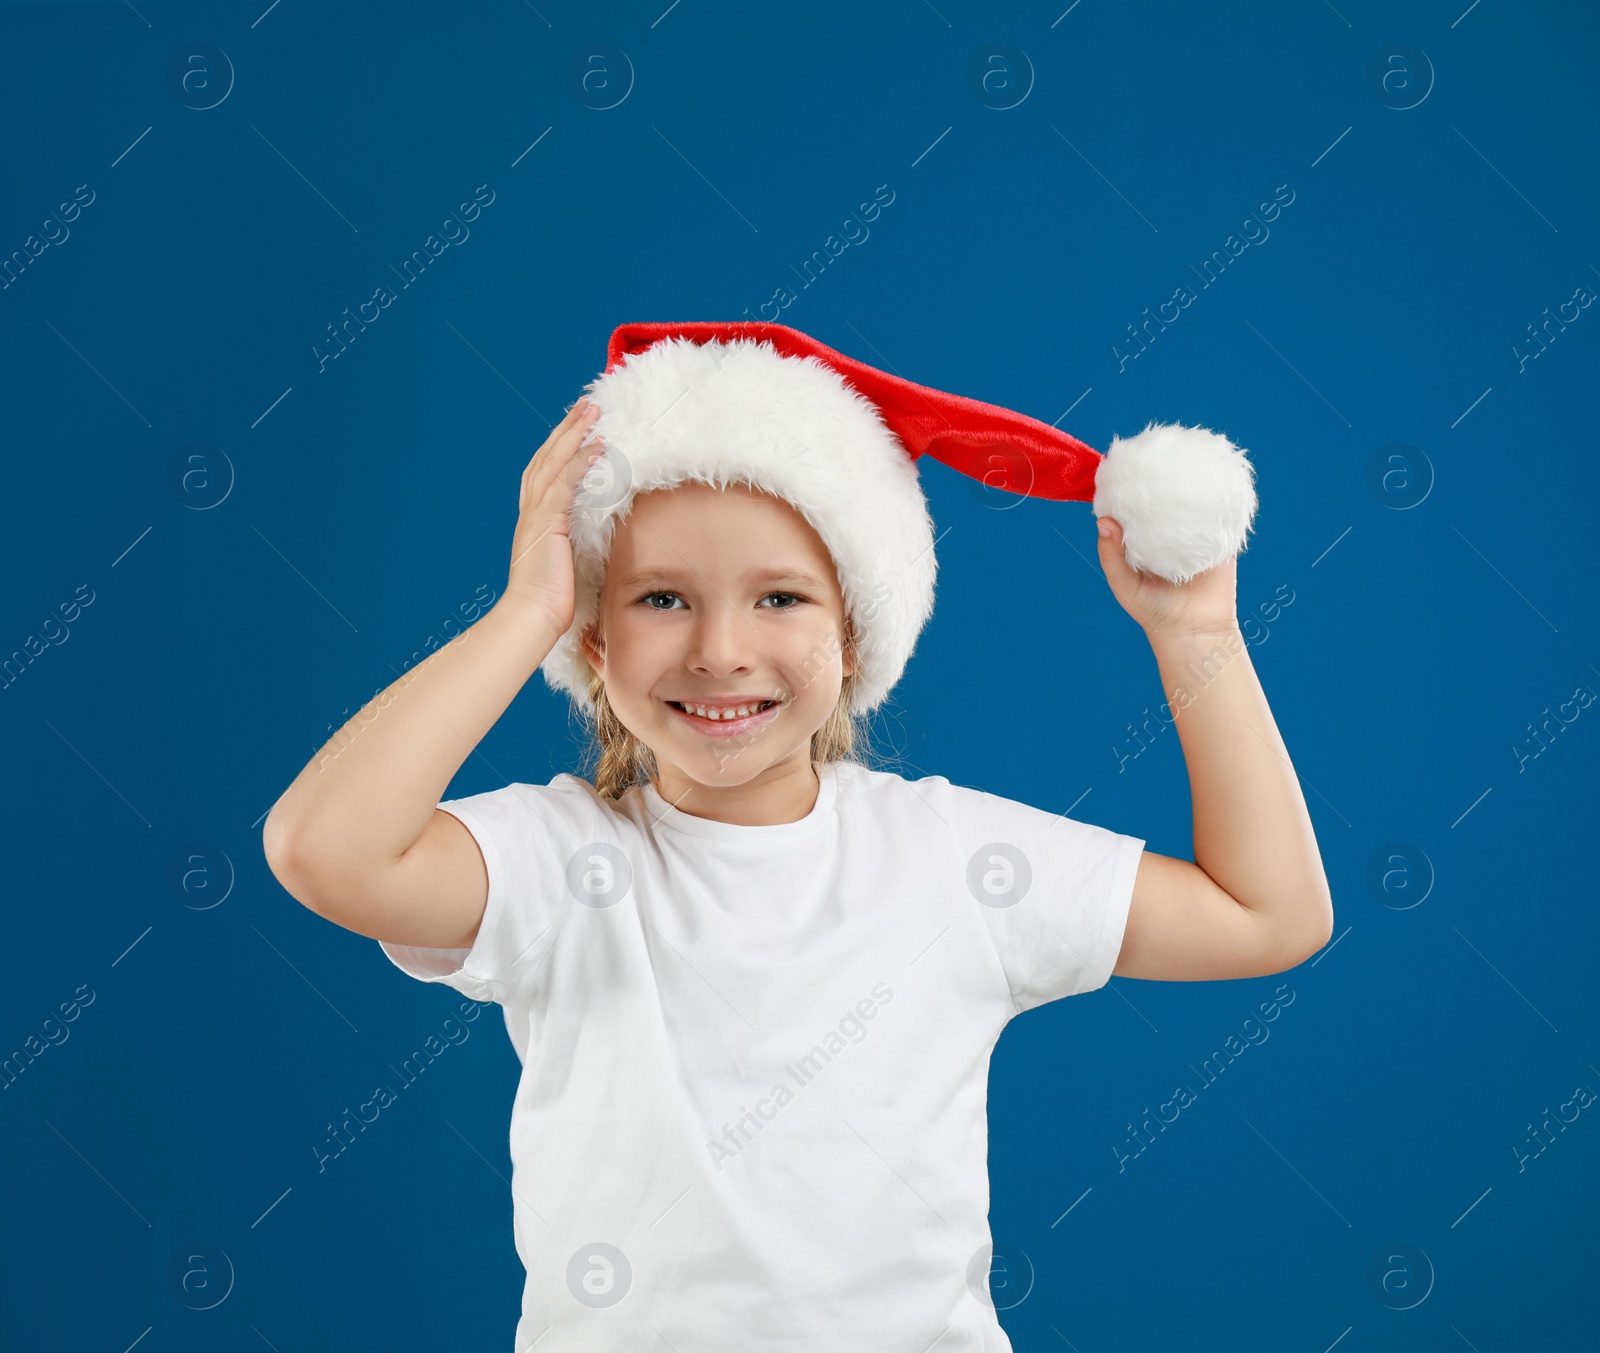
(770, 575)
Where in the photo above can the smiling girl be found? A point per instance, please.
(724, 558)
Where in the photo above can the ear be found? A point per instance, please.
(594, 649)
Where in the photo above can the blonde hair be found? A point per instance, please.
(616, 760)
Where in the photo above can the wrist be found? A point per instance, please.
(1190, 640)
(530, 626)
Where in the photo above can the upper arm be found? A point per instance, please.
(433, 896)
(1183, 927)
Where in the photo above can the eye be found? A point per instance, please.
(795, 600)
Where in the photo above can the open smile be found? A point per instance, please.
(727, 723)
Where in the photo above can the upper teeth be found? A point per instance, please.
(735, 712)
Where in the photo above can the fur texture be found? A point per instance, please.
(739, 412)
(1185, 497)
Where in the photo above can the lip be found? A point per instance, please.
(723, 728)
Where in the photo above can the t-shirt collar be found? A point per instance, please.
(660, 813)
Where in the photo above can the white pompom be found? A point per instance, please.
(1185, 498)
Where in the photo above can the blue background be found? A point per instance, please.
(1375, 320)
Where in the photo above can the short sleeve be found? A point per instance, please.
(1054, 893)
(526, 833)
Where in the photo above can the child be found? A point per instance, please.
(754, 985)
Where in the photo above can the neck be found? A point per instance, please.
(782, 793)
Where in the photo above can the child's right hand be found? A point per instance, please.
(541, 554)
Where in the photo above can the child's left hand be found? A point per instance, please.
(1206, 604)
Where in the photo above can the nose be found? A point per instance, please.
(723, 640)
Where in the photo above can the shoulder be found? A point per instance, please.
(563, 788)
(861, 786)
(962, 813)
(567, 805)
(929, 802)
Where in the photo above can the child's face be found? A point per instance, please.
(683, 620)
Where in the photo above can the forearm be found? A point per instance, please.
(369, 792)
(1252, 832)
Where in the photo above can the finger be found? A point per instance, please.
(554, 495)
(577, 465)
(575, 415)
(571, 437)
(1120, 574)
(1123, 577)
(1109, 539)
(1115, 565)
(580, 406)
(558, 451)
(565, 452)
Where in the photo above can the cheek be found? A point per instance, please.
(814, 668)
(638, 658)
(629, 679)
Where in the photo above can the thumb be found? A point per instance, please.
(1114, 556)
(1110, 542)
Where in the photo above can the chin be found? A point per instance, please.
(731, 762)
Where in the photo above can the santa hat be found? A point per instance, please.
(766, 406)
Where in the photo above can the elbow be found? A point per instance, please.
(1323, 908)
(275, 839)
(283, 834)
(280, 846)
(1313, 940)
(287, 859)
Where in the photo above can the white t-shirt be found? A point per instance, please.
(753, 1104)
